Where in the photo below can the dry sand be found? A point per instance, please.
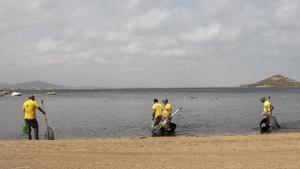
(257, 151)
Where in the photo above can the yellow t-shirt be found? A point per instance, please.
(157, 107)
(29, 108)
(267, 106)
(167, 110)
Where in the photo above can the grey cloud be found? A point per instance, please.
(125, 43)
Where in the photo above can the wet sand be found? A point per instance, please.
(276, 151)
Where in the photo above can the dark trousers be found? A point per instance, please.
(157, 120)
(32, 124)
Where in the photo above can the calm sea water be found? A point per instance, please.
(127, 113)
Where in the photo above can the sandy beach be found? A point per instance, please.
(255, 151)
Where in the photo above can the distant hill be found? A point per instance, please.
(31, 85)
(274, 81)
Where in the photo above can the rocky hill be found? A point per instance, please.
(274, 81)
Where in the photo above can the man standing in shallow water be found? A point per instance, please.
(156, 112)
(167, 109)
(167, 112)
(29, 111)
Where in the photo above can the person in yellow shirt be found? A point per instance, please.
(267, 107)
(267, 111)
(156, 112)
(167, 112)
(167, 109)
(29, 112)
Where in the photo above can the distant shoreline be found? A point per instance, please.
(150, 88)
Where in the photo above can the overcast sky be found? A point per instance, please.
(148, 43)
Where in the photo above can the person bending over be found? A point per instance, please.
(267, 111)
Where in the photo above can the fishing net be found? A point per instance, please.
(49, 134)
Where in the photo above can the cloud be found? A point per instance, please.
(171, 53)
(287, 9)
(196, 43)
(203, 34)
(133, 48)
(149, 21)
